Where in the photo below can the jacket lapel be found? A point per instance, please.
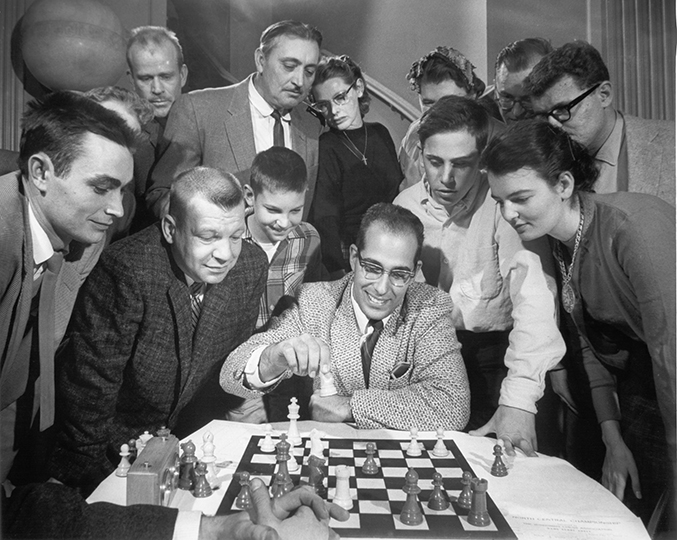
(239, 131)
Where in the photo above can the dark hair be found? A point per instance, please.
(455, 113)
(288, 28)
(153, 35)
(578, 59)
(57, 124)
(345, 68)
(443, 64)
(135, 104)
(278, 169)
(395, 219)
(521, 54)
(547, 150)
(218, 187)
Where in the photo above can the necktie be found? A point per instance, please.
(367, 348)
(196, 296)
(278, 131)
(46, 320)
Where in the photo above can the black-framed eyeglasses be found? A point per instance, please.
(508, 104)
(373, 271)
(339, 100)
(563, 112)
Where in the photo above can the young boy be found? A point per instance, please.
(275, 198)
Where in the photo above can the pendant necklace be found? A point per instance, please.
(362, 156)
(568, 295)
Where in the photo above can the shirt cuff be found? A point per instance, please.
(187, 526)
(520, 393)
(251, 372)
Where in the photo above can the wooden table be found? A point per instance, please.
(542, 497)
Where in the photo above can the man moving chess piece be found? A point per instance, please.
(163, 308)
(411, 375)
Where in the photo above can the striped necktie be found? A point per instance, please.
(278, 130)
(196, 296)
(367, 348)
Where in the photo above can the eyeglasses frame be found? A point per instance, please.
(411, 274)
(567, 108)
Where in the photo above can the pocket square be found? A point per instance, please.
(399, 370)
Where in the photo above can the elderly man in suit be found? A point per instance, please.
(571, 88)
(389, 343)
(154, 323)
(226, 127)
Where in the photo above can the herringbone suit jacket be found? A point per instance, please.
(133, 363)
(432, 393)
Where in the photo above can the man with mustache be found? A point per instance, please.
(226, 127)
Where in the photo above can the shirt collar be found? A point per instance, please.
(261, 106)
(42, 247)
(611, 149)
(360, 318)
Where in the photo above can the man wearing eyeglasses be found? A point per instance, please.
(225, 128)
(513, 65)
(571, 88)
(388, 342)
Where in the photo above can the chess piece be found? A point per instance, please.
(142, 440)
(327, 386)
(293, 433)
(440, 450)
(202, 488)
(209, 459)
(478, 515)
(244, 498)
(439, 500)
(316, 444)
(370, 466)
(187, 467)
(267, 444)
(280, 485)
(132, 450)
(124, 465)
(342, 496)
(316, 475)
(465, 498)
(283, 462)
(498, 468)
(411, 511)
(413, 450)
(164, 433)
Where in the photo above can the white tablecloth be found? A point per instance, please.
(542, 497)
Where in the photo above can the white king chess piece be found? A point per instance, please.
(293, 434)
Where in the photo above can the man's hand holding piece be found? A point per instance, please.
(303, 355)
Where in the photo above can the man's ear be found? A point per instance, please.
(259, 59)
(353, 257)
(606, 94)
(40, 171)
(183, 73)
(168, 228)
(248, 194)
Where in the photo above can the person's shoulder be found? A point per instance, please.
(635, 207)
(649, 128)
(411, 197)
(424, 298)
(323, 294)
(252, 257)
(138, 249)
(304, 230)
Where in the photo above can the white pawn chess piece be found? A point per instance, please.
(293, 435)
(293, 466)
(209, 459)
(142, 441)
(342, 496)
(413, 449)
(440, 449)
(124, 465)
(267, 445)
(327, 386)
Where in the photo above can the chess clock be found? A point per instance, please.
(153, 477)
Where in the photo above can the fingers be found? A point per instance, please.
(526, 446)
(262, 507)
(509, 448)
(634, 480)
(337, 513)
(300, 497)
(481, 432)
(304, 354)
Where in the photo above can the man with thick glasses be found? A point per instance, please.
(570, 88)
(388, 341)
(513, 65)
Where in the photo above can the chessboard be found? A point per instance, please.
(378, 499)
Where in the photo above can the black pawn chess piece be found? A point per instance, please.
(244, 498)
(411, 511)
(465, 497)
(370, 466)
(280, 485)
(439, 500)
(202, 488)
(498, 468)
(479, 515)
(316, 475)
(187, 467)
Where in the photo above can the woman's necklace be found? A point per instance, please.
(568, 296)
(362, 156)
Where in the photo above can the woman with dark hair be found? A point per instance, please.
(357, 165)
(616, 255)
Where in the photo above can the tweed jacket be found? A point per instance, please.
(16, 286)
(133, 363)
(432, 393)
(651, 157)
(213, 127)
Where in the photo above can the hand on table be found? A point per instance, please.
(619, 463)
(303, 355)
(515, 427)
(330, 409)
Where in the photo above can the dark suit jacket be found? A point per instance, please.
(132, 363)
(213, 127)
(16, 286)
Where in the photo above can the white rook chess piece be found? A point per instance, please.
(293, 435)
(342, 496)
(440, 449)
(124, 465)
(413, 449)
